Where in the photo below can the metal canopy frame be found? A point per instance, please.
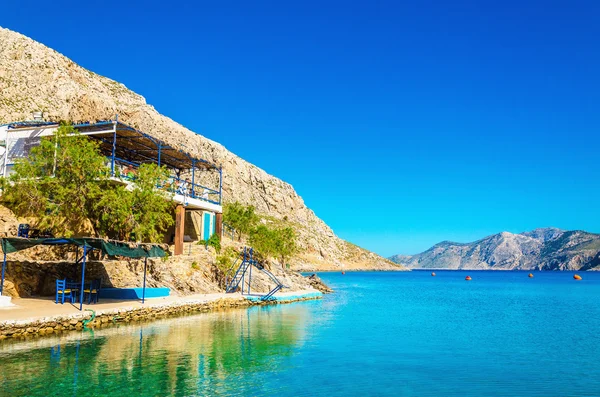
(125, 145)
(86, 249)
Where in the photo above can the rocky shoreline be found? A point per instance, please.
(52, 325)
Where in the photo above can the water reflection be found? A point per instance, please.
(205, 354)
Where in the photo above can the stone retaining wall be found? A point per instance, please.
(110, 317)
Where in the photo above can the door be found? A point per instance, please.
(206, 226)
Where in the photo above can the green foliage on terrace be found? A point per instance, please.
(64, 186)
(214, 241)
(143, 212)
(278, 241)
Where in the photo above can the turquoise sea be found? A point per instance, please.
(380, 334)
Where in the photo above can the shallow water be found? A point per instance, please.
(388, 334)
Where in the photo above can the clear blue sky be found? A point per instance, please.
(401, 125)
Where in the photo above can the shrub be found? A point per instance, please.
(215, 242)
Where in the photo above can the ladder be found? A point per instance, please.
(240, 272)
(247, 262)
(278, 284)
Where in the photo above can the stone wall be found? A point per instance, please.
(108, 318)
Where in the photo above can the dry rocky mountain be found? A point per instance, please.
(34, 77)
(540, 249)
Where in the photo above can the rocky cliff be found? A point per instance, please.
(540, 249)
(34, 77)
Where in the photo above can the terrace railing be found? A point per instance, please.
(127, 170)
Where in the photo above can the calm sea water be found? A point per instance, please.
(380, 334)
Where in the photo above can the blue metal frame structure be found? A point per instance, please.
(246, 267)
(126, 146)
(86, 250)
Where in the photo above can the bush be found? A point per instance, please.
(214, 241)
(224, 264)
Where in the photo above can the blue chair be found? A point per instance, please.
(23, 230)
(74, 286)
(63, 291)
(93, 291)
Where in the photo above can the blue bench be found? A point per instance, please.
(134, 293)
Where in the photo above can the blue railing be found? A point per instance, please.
(127, 170)
(230, 230)
(246, 267)
(194, 190)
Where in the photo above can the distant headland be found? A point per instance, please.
(540, 249)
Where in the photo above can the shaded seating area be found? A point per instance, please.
(68, 290)
(79, 291)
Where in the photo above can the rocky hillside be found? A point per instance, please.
(540, 249)
(34, 77)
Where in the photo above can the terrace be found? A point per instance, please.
(195, 183)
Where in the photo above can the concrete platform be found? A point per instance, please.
(133, 293)
(287, 296)
(31, 309)
(5, 301)
(43, 309)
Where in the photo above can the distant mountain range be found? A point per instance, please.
(540, 249)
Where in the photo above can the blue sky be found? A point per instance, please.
(400, 125)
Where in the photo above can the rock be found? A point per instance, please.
(34, 77)
(318, 284)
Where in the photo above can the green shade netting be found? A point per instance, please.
(111, 248)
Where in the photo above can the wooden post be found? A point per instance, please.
(179, 229)
(219, 225)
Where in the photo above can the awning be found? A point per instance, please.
(108, 247)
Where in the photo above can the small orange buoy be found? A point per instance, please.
(433, 274)
(577, 277)
(343, 272)
(468, 278)
(530, 275)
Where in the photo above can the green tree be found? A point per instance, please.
(242, 218)
(279, 243)
(113, 215)
(143, 212)
(58, 182)
(285, 244)
(152, 208)
(262, 240)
